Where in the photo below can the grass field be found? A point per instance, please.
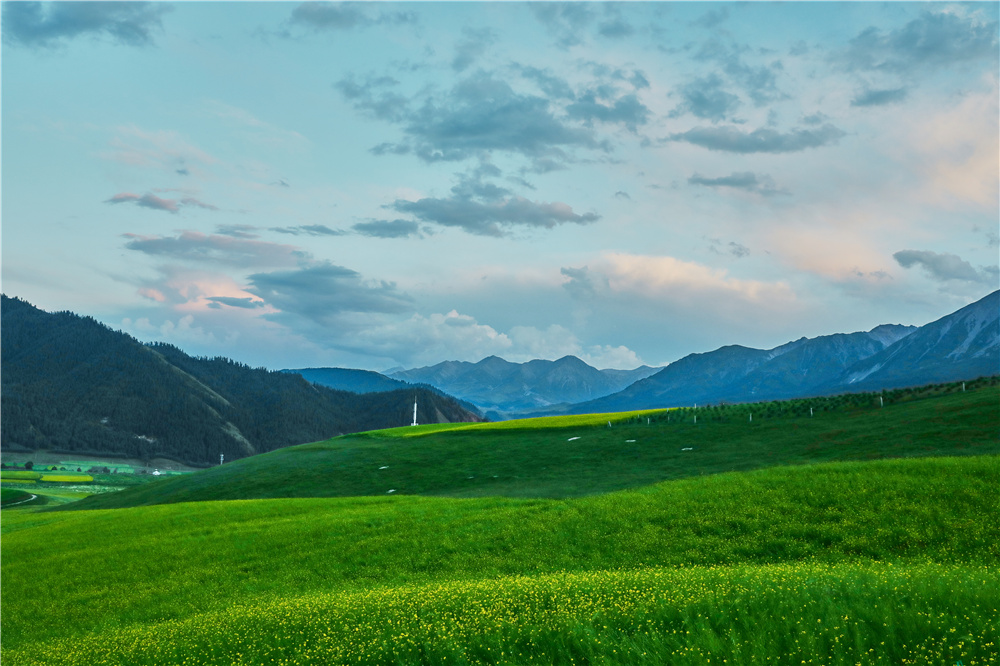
(574, 456)
(857, 536)
(244, 582)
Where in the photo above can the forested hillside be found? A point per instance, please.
(72, 384)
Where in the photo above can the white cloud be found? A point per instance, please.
(678, 280)
(956, 149)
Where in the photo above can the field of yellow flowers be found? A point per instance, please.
(886, 562)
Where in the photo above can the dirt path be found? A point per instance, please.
(33, 497)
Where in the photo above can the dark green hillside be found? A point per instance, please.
(72, 384)
(583, 456)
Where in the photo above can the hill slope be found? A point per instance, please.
(346, 379)
(72, 384)
(573, 456)
(247, 582)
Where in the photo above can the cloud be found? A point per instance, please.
(491, 218)
(746, 180)
(760, 82)
(321, 291)
(237, 230)
(712, 18)
(956, 151)
(473, 46)
(933, 40)
(216, 249)
(553, 86)
(47, 25)
(817, 118)
(869, 97)
(375, 97)
(582, 283)
(425, 339)
(387, 228)
(309, 230)
(156, 203)
(731, 139)
(943, 266)
(233, 302)
(614, 26)
(706, 99)
(146, 201)
(564, 20)
(325, 16)
(656, 277)
(593, 105)
(478, 115)
(735, 249)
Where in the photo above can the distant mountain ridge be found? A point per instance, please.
(72, 384)
(368, 381)
(501, 387)
(962, 345)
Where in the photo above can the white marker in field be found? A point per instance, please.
(221, 458)
(414, 411)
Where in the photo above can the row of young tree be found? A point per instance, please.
(71, 384)
(805, 407)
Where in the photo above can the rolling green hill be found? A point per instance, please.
(559, 457)
(867, 562)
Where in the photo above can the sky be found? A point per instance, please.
(375, 185)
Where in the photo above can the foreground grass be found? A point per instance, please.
(572, 456)
(787, 614)
(107, 572)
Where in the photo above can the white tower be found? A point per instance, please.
(414, 411)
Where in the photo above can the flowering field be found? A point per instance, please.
(842, 563)
(786, 613)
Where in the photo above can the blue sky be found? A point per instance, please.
(378, 184)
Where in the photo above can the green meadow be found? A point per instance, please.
(868, 536)
(573, 456)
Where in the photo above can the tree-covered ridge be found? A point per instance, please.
(73, 384)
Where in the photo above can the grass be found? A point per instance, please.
(835, 613)
(12, 495)
(118, 575)
(859, 536)
(574, 456)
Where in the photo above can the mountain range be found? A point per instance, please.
(71, 384)
(962, 345)
(500, 387)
